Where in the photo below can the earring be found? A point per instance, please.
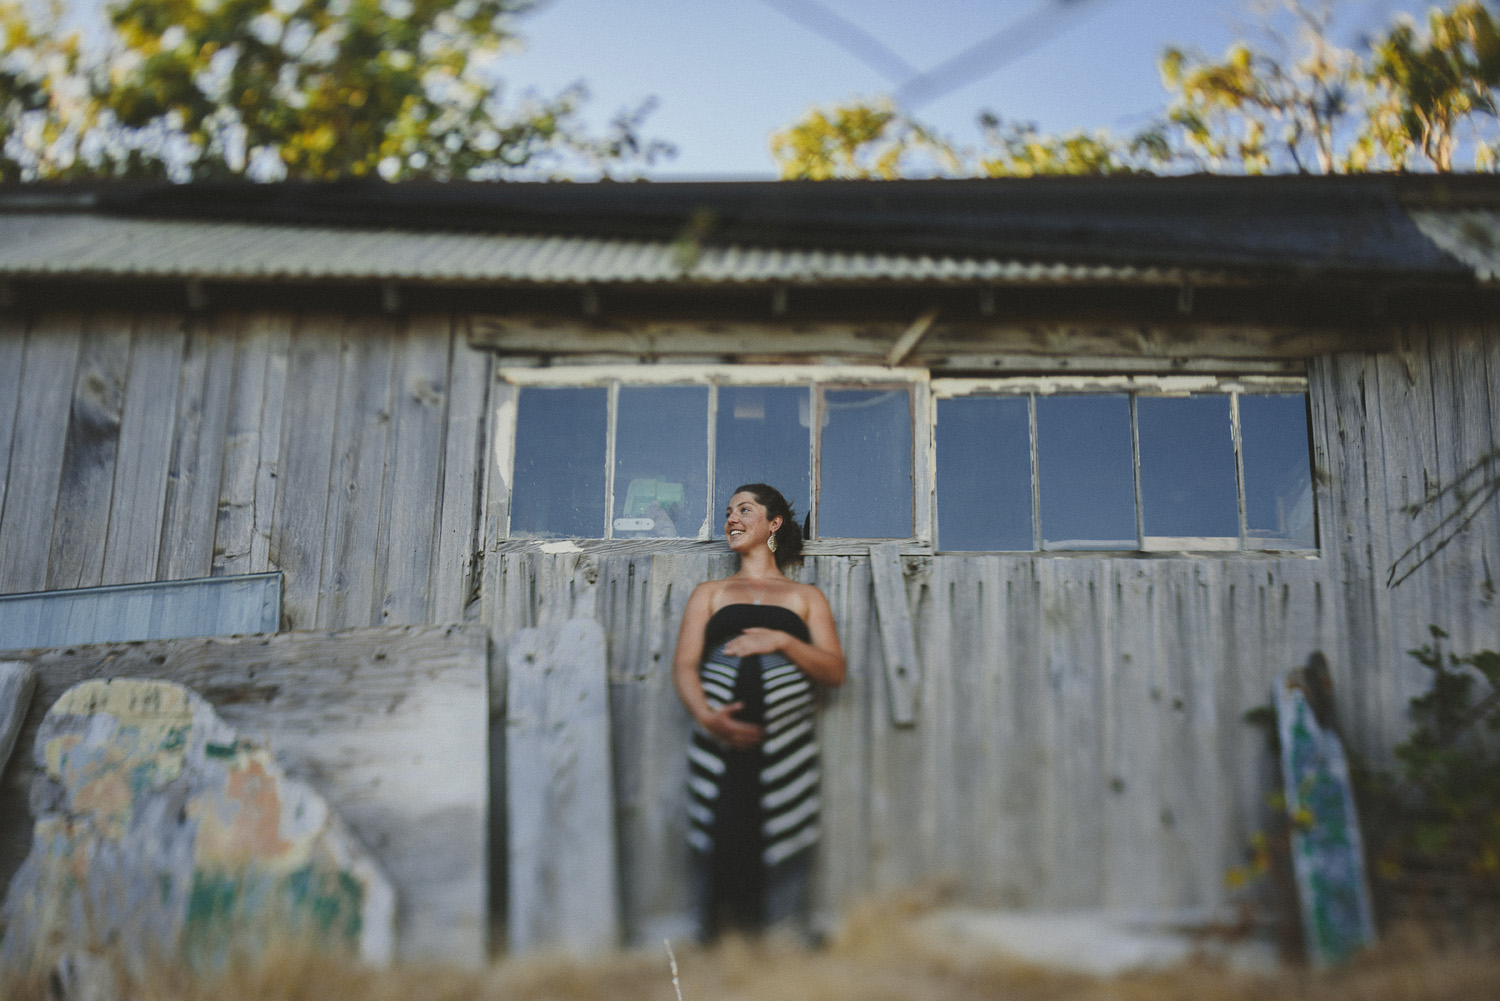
(771, 543)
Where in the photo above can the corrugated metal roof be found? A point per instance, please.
(1471, 235)
(1035, 230)
(103, 246)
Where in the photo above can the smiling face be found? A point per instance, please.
(745, 523)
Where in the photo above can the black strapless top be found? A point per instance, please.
(731, 620)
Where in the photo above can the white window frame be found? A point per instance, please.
(1137, 386)
(821, 377)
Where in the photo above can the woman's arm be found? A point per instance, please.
(719, 722)
(822, 659)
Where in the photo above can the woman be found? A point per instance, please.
(751, 649)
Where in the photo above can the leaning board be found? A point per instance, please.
(563, 879)
(390, 725)
(1327, 852)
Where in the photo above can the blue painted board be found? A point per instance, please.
(1327, 851)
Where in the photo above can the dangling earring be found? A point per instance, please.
(771, 543)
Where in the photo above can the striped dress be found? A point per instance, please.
(753, 809)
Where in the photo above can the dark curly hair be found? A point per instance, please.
(789, 535)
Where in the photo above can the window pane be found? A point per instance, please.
(1087, 479)
(865, 481)
(1278, 479)
(559, 473)
(661, 461)
(984, 473)
(762, 437)
(1187, 471)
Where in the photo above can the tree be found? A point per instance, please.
(862, 140)
(1256, 112)
(308, 89)
(39, 90)
(1020, 149)
(871, 140)
(1425, 89)
(1306, 105)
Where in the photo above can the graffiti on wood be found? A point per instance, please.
(1327, 853)
(161, 829)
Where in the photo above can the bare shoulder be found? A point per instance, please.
(708, 594)
(811, 598)
(706, 591)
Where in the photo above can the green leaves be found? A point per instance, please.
(1439, 813)
(1410, 100)
(313, 90)
(1426, 86)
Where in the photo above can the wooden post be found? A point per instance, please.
(563, 883)
(902, 668)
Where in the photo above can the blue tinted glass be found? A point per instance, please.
(661, 461)
(762, 437)
(1187, 468)
(1086, 472)
(559, 473)
(865, 465)
(984, 473)
(1278, 480)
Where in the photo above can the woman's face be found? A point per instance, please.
(745, 523)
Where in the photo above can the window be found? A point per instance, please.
(625, 460)
(1173, 463)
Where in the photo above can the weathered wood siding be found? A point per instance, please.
(1078, 737)
(1408, 444)
(341, 452)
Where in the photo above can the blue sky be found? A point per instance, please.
(727, 73)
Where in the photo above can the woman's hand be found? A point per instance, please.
(757, 640)
(737, 734)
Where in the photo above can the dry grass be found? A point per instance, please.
(877, 957)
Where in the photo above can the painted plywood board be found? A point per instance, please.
(1327, 851)
(389, 724)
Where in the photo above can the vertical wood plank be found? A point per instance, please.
(896, 812)
(460, 520)
(277, 335)
(562, 844)
(147, 434)
(197, 459)
(403, 570)
(1076, 621)
(903, 667)
(361, 458)
(845, 864)
(1192, 804)
(81, 522)
(1135, 857)
(1014, 610)
(1476, 528)
(252, 439)
(1355, 473)
(303, 473)
(12, 362)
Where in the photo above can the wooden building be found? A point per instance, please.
(1085, 462)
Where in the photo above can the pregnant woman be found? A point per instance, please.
(750, 653)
